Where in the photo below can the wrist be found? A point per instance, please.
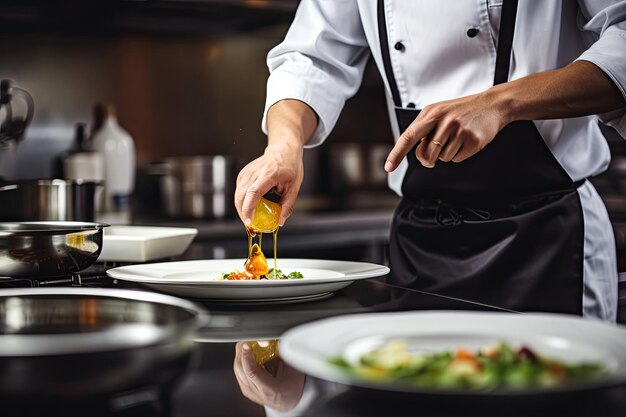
(285, 146)
(502, 99)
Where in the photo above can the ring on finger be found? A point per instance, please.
(436, 142)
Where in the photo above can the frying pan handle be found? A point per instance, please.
(204, 319)
(9, 187)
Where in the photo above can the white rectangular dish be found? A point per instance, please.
(144, 243)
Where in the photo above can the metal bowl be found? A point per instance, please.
(46, 249)
(197, 187)
(78, 343)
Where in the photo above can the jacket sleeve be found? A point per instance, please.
(320, 62)
(603, 23)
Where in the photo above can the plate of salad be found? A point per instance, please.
(460, 353)
(227, 280)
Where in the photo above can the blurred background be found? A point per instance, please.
(187, 79)
(187, 82)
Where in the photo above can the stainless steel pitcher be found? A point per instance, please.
(43, 200)
(197, 187)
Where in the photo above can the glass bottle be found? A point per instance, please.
(118, 150)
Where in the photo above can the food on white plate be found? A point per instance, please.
(501, 366)
(272, 274)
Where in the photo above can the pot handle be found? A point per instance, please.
(9, 187)
(158, 169)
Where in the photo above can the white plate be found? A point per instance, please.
(143, 243)
(571, 339)
(196, 279)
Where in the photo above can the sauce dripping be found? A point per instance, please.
(265, 220)
(256, 264)
(275, 237)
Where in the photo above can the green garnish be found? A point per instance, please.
(497, 367)
(295, 275)
(278, 274)
(275, 274)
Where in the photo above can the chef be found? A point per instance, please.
(500, 109)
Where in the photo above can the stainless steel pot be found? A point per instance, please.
(48, 200)
(79, 343)
(198, 187)
(43, 249)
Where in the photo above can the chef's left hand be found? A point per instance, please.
(282, 392)
(451, 130)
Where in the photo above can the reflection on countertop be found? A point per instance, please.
(213, 386)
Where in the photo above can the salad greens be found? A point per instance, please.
(496, 367)
(278, 274)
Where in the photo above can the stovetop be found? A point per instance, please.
(94, 276)
(146, 401)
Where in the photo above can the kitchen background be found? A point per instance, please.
(188, 78)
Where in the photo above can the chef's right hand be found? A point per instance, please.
(280, 166)
(290, 124)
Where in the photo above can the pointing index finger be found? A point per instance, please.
(413, 134)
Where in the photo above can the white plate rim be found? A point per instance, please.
(125, 273)
(291, 353)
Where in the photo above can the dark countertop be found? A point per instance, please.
(234, 322)
(209, 387)
(355, 403)
(201, 389)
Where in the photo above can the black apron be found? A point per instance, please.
(503, 227)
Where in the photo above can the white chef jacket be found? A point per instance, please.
(322, 59)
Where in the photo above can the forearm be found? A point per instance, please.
(290, 123)
(578, 89)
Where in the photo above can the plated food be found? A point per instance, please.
(273, 274)
(256, 268)
(505, 354)
(500, 366)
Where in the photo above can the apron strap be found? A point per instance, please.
(505, 41)
(384, 48)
